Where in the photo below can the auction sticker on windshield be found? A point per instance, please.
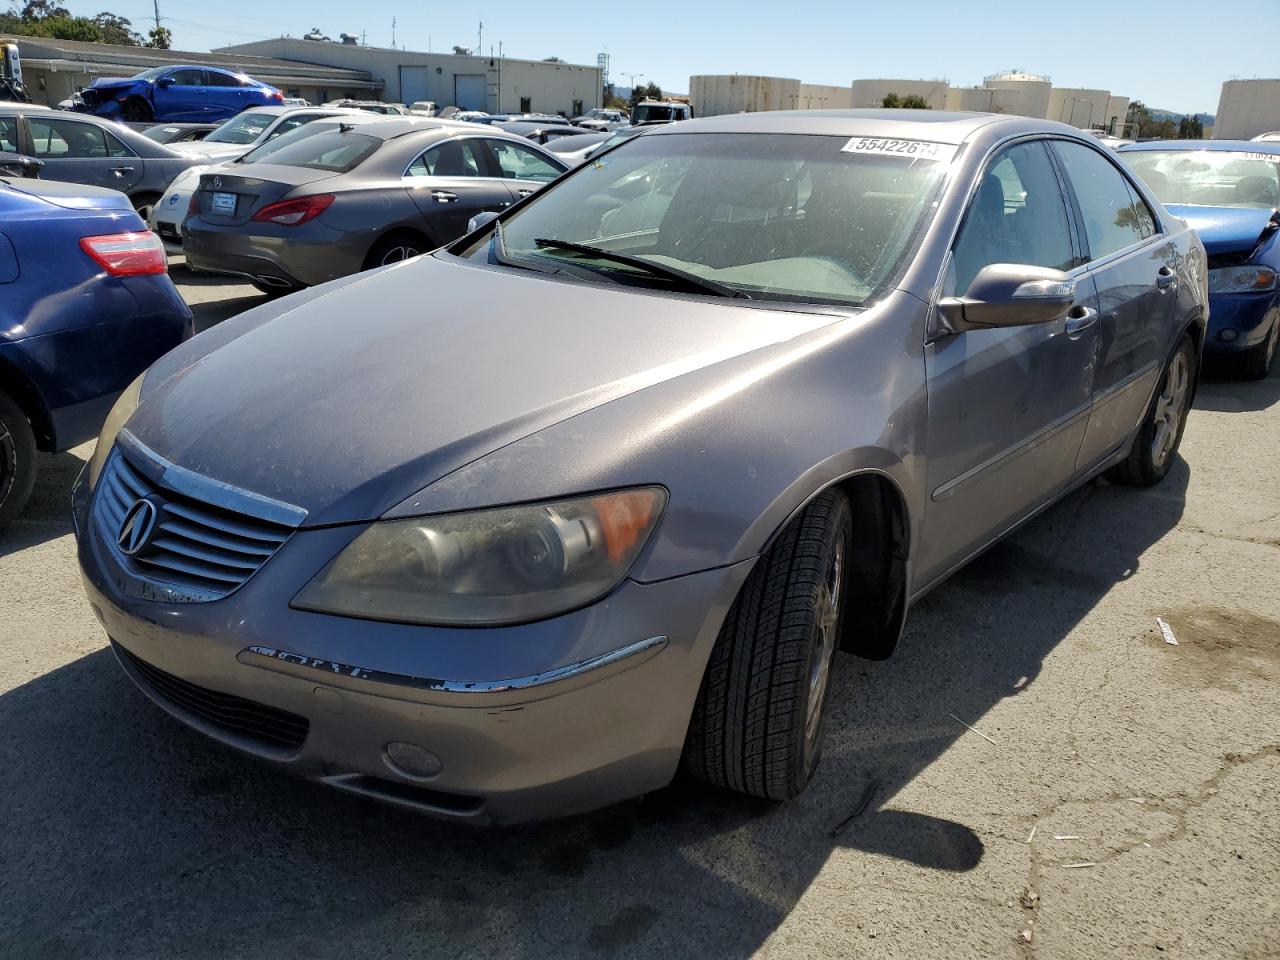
(908, 149)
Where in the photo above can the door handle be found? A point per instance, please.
(444, 196)
(121, 171)
(1079, 320)
(1166, 278)
(525, 192)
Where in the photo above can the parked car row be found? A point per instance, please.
(546, 476)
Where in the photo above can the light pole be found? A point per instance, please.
(632, 78)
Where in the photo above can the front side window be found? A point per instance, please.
(520, 163)
(1114, 216)
(9, 134)
(794, 218)
(1017, 216)
(243, 129)
(1213, 178)
(67, 140)
(187, 78)
(456, 158)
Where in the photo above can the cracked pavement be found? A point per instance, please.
(1149, 773)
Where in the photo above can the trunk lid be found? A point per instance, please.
(254, 186)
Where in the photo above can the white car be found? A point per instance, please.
(233, 139)
(1271, 136)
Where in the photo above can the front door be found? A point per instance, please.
(183, 98)
(1008, 406)
(1134, 269)
(451, 183)
(81, 151)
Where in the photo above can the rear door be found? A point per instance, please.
(184, 98)
(1133, 266)
(524, 168)
(225, 95)
(80, 151)
(1008, 407)
(453, 181)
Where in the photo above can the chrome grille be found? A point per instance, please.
(205, 550)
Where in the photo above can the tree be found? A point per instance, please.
(160, 38)
(45, 18)
(33, 11)
(645, 91)
(116, 29)
(1139, 123)
(1190, 128)
(912, 101)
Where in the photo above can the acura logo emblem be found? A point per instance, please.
(138, 525)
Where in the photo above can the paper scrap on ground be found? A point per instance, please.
(1167, 631)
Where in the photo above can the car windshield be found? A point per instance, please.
(333, 150)
(244, 129)
(1212, 178)
(770, 217)
(152, 73)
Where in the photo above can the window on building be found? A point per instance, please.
(293, 93)
(526, 104)
(577, 108)
(322, 95)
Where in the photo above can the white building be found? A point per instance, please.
(494, 84)
(1247, 108)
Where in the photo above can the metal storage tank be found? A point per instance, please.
(871, 93)
(1079, 106)
(976, 99)
(1117, 112)
(1018, 93)
(1247, 108)
(713, 94)
(820, 96)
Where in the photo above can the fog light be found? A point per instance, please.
(1226, 336)
(410, 760)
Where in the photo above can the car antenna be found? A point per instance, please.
(346, 127)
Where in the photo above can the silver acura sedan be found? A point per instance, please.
(519, 528)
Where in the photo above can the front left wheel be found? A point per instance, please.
(758, 722)
(17, 461)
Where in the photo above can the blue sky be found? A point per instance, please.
(1172, 55)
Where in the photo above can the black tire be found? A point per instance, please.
(272, 292)
(17, 461)
(136, 110)
(1156, 445)
(143, 204)
(396, 247)
(1255, 363)
(757, 725)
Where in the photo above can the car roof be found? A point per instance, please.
(579, 141)
(1232, 146)
(939, 126)
(391, 126)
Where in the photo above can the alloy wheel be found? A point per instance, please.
(1171, 407)
(8, 462)
(396, 254)
(825, 628)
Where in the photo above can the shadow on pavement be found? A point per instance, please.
(1221, 389)
(127, 835)
(48, 513)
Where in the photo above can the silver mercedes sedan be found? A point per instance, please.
(522, 527)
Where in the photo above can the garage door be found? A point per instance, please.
(413, 84)
(470, 91)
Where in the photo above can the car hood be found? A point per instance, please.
(101, 82)
(373, 389)
(1225, 229)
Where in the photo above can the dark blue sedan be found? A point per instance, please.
(1229, 191)
(86, 304)
(194, 93)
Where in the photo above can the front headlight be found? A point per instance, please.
(1245, 279)
(122, 411)
(489, 567)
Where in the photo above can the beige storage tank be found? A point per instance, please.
(1079, 106)
(871, 93)
(1247, 108)
(713, 94)
(821, 96)
(1020, 94)
(971, 99)
(1115, 122)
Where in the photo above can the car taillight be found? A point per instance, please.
(127, 254)
(293, 212)
(277, 95)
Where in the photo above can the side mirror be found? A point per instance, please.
(1009, 295)
(481, 220)
(166, 82)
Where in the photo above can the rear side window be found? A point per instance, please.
(327, 150)
(457, 158)
(1114, 215)
(8, 134)
(215, 79)
(69, 140)
(1017, 216)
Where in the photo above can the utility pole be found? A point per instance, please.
(393, 33)
(156, 5)
(480, 40)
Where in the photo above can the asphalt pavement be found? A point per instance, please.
(1036, 773)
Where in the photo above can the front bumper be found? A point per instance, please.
(167, 217)
(597, 713)
(1240, 321)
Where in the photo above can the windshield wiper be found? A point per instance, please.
(649, 266)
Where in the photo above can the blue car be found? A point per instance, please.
(165, 94)
(1229, 192)
(86, 304)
